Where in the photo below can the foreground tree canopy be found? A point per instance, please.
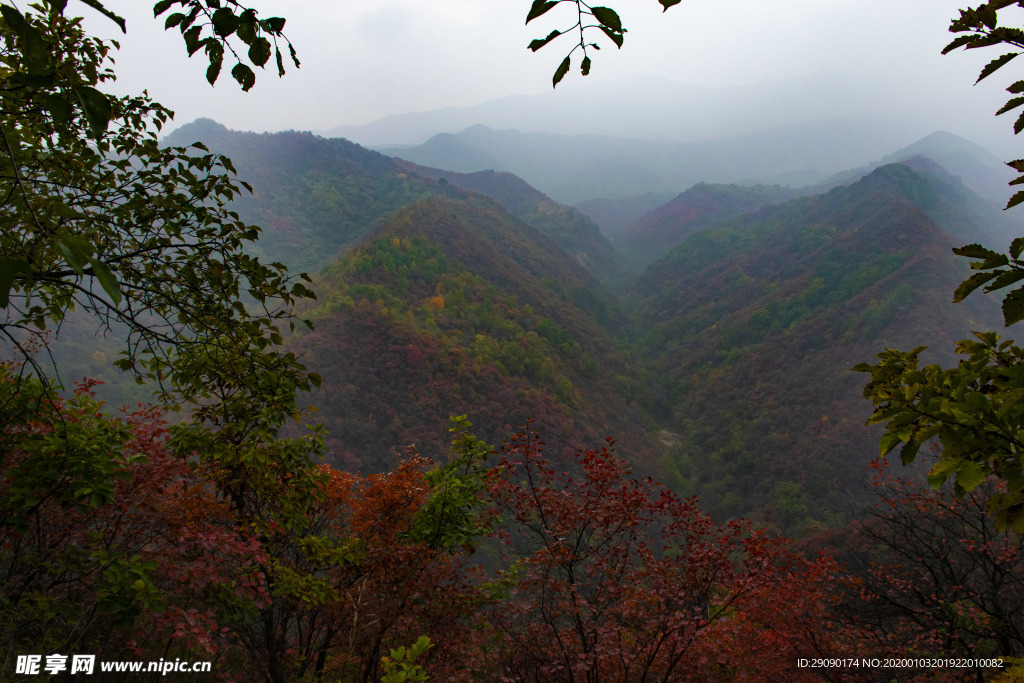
(973, 410)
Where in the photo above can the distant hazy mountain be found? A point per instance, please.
(574, 168)
(614, 214)
(979, 169)
(655, 108)
(752, 326)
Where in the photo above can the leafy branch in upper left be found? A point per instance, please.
(99, 218)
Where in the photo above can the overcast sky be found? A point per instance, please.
(365, 59)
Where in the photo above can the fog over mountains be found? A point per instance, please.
(653, 136)
(656, 108)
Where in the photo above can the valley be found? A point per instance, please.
(727, 317)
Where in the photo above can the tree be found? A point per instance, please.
(939, 579)
(618, 579)
(98, 218)
(972, 410)
(103, 529)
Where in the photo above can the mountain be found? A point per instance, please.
(312, 196)
(614, 214)
(315, 197)
(723, 368)
(575, 168)
(751, 326)
(454, 306)
(654, 108)
(697, 208)
(977, 168)
(570, 229)
(946, 197)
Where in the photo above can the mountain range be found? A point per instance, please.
(712, 336)
(657, 108)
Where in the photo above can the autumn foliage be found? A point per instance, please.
(619, 580)
(118, 542)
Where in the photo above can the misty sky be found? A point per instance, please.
(365, 59)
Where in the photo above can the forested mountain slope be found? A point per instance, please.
(315, 196)
(455, 306)
(570, 229)
(311, 196)
(699, 207)
(752, 326)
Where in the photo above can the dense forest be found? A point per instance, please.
(430, 424)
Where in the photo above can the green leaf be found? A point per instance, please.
(259, 51)
(585, 66)
(9, 269)
(983, 41)
(608, 17)
(224, 22)
(538, 8)
(35, 82)
(940, 472)
(959, 41)
(668, 3)
(1005, 279)
(970, 475)
(1016, 247)
(244, 75)
(58, 107)
(161, 7)
(280, 62)
(616, 37)
(888, 442)
(191, 37)
(1011, 104)
(96, 106)
(173, 20)
(971, 284)
(975, 251)
(560, 72)
(1013, 307)
(213, 71)
(107, 280)
(909, 451)
(273, 24)
(96, 5)
(1016, 199)
(76, 251)
(995, 65)
(541, 42)
(33, 47)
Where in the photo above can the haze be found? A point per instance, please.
(366, 59)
